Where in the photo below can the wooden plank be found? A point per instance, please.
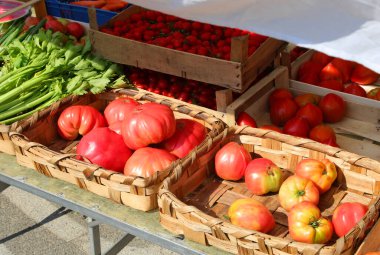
(210, 70)
(223, 99)
(239, 48)
(260, 60)
(371, 242)
(40, 9)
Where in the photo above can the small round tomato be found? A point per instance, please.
(330, 72)
(321, 58)
(295, 190)
(322, 173)
(364, 75)
(346, 216)
(307, 225)
(332, 84)
(345, 67)
(231, 161)
(251, 214)
(309, 72)
(263, 176)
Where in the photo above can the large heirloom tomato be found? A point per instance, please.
(104, 147)
(187, 136)
(79, 120)
(251, 214)
(118, 109)
(321, 173)
(149, 123)
(244, 119)
(282, 110)
(231, 161)
(295, 190)
(333, 108)
(146, 161)
(307, 225)
(346, 216)
(263, 176)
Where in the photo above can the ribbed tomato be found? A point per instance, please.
(321, 172)
(295, 190)
(105, 148)
(146, 161)
(346, 216)
(149, 123)
(79, 120)
(231, 161)
(187, 136)
(307, 225)
(251, 214)
(119, 108)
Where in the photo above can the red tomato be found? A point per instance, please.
(311, 113)
(271, 127)
(307, 225)
(231, 161)
(332, 142)
(330, 72)
(374, 94)
(105, 148)
(55, 26)
(295, 190)
(75, 29)
(332, 84)
(355, 89)
(29, 22)
(116, 127)
(263, 176)
(333, 108)
(322, 133)
(118, 109)
(145, 162)
(363, 75)
(279, 94)
(149, 123)
(79, 120)
(297, 126)
(321, 173)
(282, 110)
(321, 58)
(251, 214)
(244, 119)
(304, 99)
(309, 72)
(346, 216)
(187, 136)
(345, 67)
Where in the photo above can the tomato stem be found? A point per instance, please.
(300, 193)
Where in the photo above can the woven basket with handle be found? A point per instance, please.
(39, 147)
(193, 202)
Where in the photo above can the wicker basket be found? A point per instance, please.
(38, 146)
(6, 145)
(193, 202)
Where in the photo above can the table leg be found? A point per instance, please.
(94, 235)
(3, 186)
(119, 245)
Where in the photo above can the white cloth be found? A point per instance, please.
(349, 29)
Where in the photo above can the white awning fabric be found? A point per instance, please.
(349, 29)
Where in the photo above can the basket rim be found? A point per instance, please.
(207, 146)
(61, 159)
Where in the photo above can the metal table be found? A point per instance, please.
(144, 225)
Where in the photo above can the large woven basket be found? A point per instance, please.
(39, 147)
(6, 145)
(194, 203)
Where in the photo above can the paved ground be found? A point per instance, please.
(32, 226)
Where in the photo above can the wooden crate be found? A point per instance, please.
(371, 242)
(236, 74)
(358, 132)
(193, 201)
